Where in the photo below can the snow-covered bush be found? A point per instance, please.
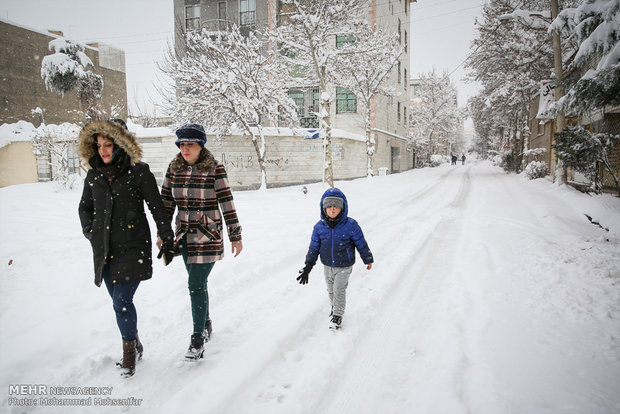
(580, 149)
(503, 159)
(437, 160)
(56, 142)
(536, 169)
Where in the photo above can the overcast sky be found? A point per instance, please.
(441, 32)
(440, 35)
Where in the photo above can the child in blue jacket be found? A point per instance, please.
(335, 238)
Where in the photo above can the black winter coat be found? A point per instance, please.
(113, 217)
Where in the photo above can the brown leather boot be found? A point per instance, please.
(128, 367)
(139, 352)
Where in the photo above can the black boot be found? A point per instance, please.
(208, 330)
(196, 348)
(128, 366)
(336, 322)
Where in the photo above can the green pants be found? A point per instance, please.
(198, 273)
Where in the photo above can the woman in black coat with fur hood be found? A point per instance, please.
(113, 220)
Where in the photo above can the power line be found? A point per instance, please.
(445, 14)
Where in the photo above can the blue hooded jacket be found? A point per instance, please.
(337, 245)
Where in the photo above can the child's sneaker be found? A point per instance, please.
(336, 322)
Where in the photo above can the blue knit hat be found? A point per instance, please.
(191, 133)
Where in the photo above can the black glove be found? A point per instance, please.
(167, 251)
(304, 273)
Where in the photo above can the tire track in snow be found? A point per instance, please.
(373, 353)
(312, 318)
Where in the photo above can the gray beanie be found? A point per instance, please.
(333, 201)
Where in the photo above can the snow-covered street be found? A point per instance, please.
(489, 294)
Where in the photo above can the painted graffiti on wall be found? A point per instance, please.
(237, 161)
(243, 162)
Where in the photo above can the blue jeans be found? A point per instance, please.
(122, 302)
(198, 273)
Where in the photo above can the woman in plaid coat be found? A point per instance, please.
(196, 185)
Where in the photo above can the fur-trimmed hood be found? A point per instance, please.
(206, 162)
(121, 136)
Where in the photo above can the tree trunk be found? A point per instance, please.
(370, 149)
(260, 153)
(325, 123)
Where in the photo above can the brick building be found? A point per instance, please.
(22, 89)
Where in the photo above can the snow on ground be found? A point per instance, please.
(490, 294)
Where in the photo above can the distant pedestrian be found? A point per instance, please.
(463, 159)
(453, 159)
(335, 238)
(197, 185)
(112, 216)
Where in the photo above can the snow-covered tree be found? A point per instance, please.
(596, 26)
(55, 142)
(225, 80)
(582, 150)
(65, 69)
(306, 38)
(511, 54)
(363, 66)
(434, 114)
(487, 124)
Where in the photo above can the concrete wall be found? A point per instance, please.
(18, 164)
(290, 160)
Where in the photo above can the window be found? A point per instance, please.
(297, 96)
(342, 40)
(192, 18)
(405, 80)
(73, 160)
(399, 72)
(416, 90)
(307, 102)
(399, 33)
(406, 41)
(221, 16)
(346, 101)
(398, 112)
(247, 12)
(405, 115)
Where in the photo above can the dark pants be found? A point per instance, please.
(198, 273)
(122, 302)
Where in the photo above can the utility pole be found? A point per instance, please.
(560, 121)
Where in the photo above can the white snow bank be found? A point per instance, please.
(490, 293)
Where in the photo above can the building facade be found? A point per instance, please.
(389, 114)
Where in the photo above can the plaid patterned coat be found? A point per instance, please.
(199, 192)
